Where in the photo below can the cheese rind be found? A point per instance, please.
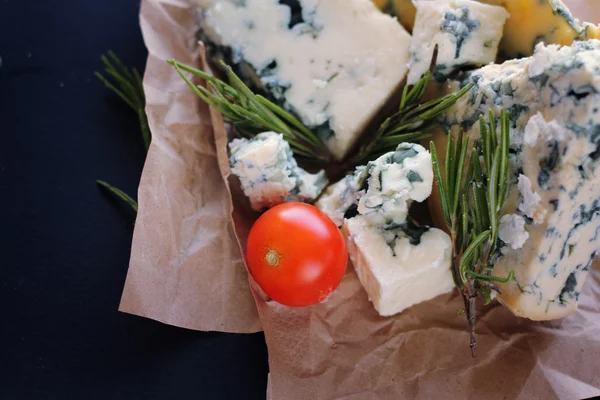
(556, 94)
(269, 174)
(314, 58)
(466, 32)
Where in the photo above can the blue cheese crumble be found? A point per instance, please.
(269, 174)
(466, 33)
(398, 262)
(313, 57)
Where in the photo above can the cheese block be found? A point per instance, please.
(269, 174)
(530, 22)
(398, 263)
(553, 99)
(466, 32)
(399, 267)
(313, 58)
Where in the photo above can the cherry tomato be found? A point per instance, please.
(296, 254)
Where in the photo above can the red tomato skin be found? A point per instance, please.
(307, 254)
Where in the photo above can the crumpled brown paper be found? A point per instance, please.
(187, 270)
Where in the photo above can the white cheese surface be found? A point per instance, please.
(269, 174)
(334, 64)
(398, 263)
(398, 274)
(394, 180)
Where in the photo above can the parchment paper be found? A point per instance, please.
(187, 270)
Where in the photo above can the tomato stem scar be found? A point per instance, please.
(272, 257)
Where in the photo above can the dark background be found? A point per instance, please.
(64, 244)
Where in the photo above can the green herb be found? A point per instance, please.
(128, 86)
(250, 113)
(472, 197)
(120, 194)
(412, 122)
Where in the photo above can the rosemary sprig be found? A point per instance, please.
(120, 194)
(412, 122)
(128, 86)
(250, 113)
(471, 203)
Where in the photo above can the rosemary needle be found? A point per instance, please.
(127, 84)
(472, 204)
(119, 193)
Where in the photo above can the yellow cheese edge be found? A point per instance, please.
(530, 22)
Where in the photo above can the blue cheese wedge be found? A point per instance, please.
(399, 267)
(553, 99)
(314, 58)
(269, 174)
(466, 32)
(398, 263)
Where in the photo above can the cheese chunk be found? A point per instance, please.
(269, 174)
(342, 195)
(399, 267)
(314, 58)
(530, 22)
(398, 263)
(394, 181)
(383, 189)
(553, 100)
(466, 32)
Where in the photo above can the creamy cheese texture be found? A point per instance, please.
(313, 57)
(398, 263)
(553, 100)
(512, 231)
(466, 32)
(339, 197)
(402, 272)
(269, 174)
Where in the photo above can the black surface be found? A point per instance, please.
(64, 244)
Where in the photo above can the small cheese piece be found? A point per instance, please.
(398, 263)
(530, 201)
(512, 230)
(396, 179)
(466, 32)
(342, 195)
(269, 174)
(398, 269)
(560, 159)
(313, 57)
